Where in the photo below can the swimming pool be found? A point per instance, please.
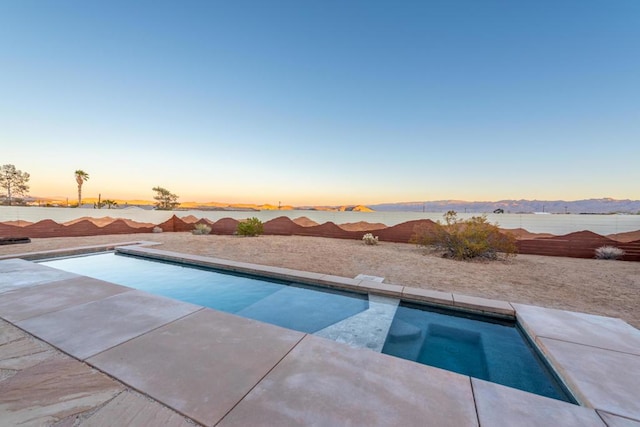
(481, 347)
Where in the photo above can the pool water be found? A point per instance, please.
(290, 305)
(480, 347)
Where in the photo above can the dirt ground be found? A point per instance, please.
(609, 288)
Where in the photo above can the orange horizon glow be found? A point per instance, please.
(135, 187)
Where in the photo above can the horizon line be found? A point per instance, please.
(212, 202)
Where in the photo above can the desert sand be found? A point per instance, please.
(609, 288)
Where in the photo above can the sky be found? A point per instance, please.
(323, 102)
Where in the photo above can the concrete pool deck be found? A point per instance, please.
(182, 360)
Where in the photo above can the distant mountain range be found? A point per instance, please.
(587, 206)
(89, 202)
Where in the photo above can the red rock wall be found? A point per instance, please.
(283, 226)
(224, 226)
(582, 244)
(576, 245)
(402, 233)
(48, 228)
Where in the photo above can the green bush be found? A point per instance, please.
(250, 227)
(200, 229)
(466, 239)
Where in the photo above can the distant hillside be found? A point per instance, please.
(589, 206)
(265, 207)
(88, 202)
(350, 208)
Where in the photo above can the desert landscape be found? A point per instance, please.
(581, 244)
(603, 287)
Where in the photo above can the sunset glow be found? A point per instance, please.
(314, 103)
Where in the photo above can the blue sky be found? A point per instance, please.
(323, 102)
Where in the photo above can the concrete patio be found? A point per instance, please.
(105, 354)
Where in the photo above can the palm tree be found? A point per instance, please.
(81, 177)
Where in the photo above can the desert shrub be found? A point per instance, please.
(250, 227)
(157, 229)
(200, 229)
(370, 239)
(609, 252)
(466, 239)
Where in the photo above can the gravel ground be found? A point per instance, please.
(609, 288)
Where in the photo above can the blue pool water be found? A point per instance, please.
(481, 347)
(485, 348)
(290, 305)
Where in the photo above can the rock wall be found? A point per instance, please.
(577, 245)
(581, 244)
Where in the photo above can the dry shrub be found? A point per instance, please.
(466, 239)
(609, 252)
(201, 229)
(370, 239)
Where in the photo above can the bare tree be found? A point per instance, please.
(14, 181)
(165, 199)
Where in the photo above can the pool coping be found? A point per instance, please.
(443, 299)
(592, 349)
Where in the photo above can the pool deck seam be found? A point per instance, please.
(137, 389)
(586, 345)
(601, 411)
(140, 335)
(475, 403)
(261, 379)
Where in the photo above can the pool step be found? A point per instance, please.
(405, 339)
(367, 329)
(402, 332)
(297, 307)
